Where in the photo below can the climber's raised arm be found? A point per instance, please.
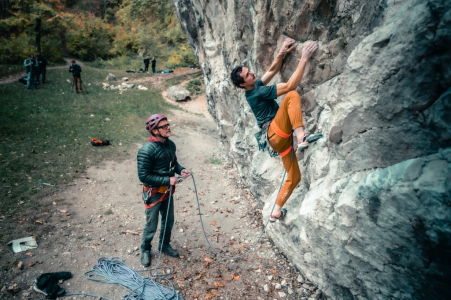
(287, 46)
(295, 79)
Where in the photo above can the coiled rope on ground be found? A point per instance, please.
(115, 271)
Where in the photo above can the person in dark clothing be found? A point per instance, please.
(157, 165)
(75, 69)
(154, 61)
(42, 61)
(146, 64)
(31, 68)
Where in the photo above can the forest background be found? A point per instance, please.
(108, 33)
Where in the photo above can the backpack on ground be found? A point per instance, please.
(96, 142)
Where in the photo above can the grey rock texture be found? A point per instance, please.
(371, 218)
(178, 93)
(111, 77)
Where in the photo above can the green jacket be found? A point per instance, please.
(30, 68)
(157, 162)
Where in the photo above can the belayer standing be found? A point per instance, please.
(276, 122)
(146, 64)
(42, 61)
(154, 62)
(31, 68)
(76, 76)
(157, 165)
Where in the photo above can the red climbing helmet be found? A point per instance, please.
(153, 120)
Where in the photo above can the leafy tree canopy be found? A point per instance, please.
(92, 30)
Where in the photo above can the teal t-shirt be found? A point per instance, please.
(262, 102)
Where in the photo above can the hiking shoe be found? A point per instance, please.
(47, 284)
(146, 259)
(60, 292)
(308, 139)
(168, 250)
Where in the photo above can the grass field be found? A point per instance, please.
(45, 134)
(6, 70)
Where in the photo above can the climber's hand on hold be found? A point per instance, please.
(173, 180)
(309, 49)
(185, 173)
(287, 46)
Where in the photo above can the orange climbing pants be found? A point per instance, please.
(288, 116)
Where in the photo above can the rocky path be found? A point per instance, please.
(101, 214)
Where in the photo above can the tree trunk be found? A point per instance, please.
(38, 35)
(105, 4)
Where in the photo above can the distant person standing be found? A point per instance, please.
(153, 64)
(146, 64)
(42, 61)
(31, 68)
(76, 76)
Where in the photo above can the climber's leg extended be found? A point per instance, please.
(288, 116)
(293, 178)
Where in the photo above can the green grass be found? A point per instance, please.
(214, 161)
(128, 62)
(194, 86)
(6, 70)
(45, 133)
(180, 79)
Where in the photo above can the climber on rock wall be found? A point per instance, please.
(276, 122)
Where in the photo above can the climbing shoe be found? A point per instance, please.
(146, 259)
(308, 139)
(168, 250)
(283, 213)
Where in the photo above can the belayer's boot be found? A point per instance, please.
(146, 259)
(168, 250)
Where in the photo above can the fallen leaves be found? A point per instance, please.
(236, 278)
(209, 296)
(234, 201)
(208, 260)
(218, 284)
(29, 254)
(213, 223)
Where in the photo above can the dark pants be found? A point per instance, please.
(77, 83)
(42, 72)
(153, 69)
(31, 80)
(146, 68)
(152, 223)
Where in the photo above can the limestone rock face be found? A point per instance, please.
(178, 93)
(111, 77)
(371, 218)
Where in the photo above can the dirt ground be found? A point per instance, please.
(101, 214)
